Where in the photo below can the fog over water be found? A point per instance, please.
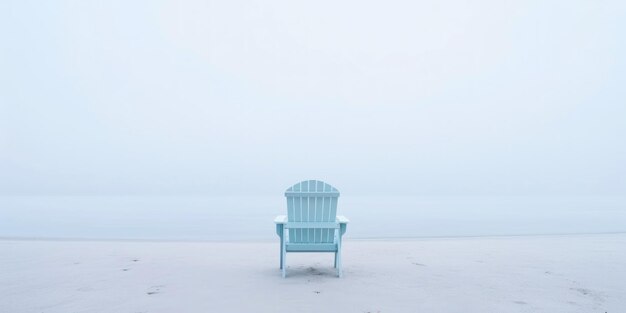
(160, 119)
(250, 217)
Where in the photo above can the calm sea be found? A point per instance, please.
(251, 217)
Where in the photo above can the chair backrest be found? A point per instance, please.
(312, 201)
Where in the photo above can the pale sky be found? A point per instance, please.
(375, 97)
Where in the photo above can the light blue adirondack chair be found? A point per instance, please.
(311, 223)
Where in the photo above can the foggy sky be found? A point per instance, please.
(375, 97)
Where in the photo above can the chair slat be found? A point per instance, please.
(307, 225)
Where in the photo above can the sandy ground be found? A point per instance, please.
(578, 273)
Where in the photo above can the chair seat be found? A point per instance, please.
(311, 247)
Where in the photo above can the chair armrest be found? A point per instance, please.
(280, 219)
(343, 224)
(280, 222)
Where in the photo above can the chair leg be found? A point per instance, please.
(338, 257)
(339, 263)
(284, 255)
(284, 269)
(281, 253)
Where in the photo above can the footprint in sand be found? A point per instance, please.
(314, 271)
(596, 296)
(582, 290)
(154, 290)
(85, 288)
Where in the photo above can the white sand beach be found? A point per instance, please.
(569, 273)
